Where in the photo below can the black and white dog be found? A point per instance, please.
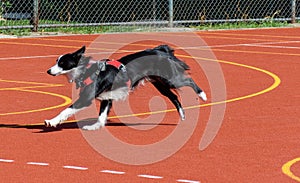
(109, 80)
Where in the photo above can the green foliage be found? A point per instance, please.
(105, 29)
(238, 25)
(4, 5)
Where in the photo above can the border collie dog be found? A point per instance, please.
(109, 80)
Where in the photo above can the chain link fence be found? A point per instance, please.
(140, 14)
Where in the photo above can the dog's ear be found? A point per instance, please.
(79, 53)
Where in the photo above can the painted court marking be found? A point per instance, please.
(37, 163)
(187, 181)
(6, 160)
(75, 167)
(275, 84)
(113, 172)
(150, 176)
(66, 99)
(286, 169)
(261, 44)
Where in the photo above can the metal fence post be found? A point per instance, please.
(171, 11)
(293, 18)
(35, 16)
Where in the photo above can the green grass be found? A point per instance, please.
(239, 25)
(57, 30)
(105, 29)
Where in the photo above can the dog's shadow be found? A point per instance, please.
(76, 125)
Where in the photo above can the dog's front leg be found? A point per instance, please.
(65, 114)
(84, 100)
(104, 110)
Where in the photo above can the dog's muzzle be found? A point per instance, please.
(55, 70)
(50, 73)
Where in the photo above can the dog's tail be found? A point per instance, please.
(170, 52)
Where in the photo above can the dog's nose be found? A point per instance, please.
(49, 72)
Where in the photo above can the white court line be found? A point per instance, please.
(103, 171)
(248, 44)
(27, 57)
(187, 181)
(75, 167)
(195, 47)
(6, 160)
(37, 163)
(49, 56)
(112, 172)
(150, 176)
(272, 46)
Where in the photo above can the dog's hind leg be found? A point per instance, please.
(104, 110)
(191, 83)
(168, 93)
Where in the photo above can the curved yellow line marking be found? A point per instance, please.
(286, 169)
(214, 49)
(173, 34)
(245, 34)
(28, 82)
(275, 84)
(255, 52)
(67, 100)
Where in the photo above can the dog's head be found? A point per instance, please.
(67, 64)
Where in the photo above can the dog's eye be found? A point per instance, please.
(61, 63)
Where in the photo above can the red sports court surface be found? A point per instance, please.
(258, 140)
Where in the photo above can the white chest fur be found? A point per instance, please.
(117, 94)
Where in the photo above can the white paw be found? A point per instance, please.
(51, 123)
(202, 95)
(181, 113)
(95, 126)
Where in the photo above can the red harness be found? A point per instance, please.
(88, 81)
(113, 62)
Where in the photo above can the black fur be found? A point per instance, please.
(158, 65)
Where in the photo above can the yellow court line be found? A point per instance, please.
(214, 49)
(275, 84)
(29, 87)
(252, 35)
(165, 34)
(27, 82)
(60, 46)
(169, 34)
(122, 51)
(256, 52)
(286, 169)
(66, 99)
(37, 44)
(203, 35)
